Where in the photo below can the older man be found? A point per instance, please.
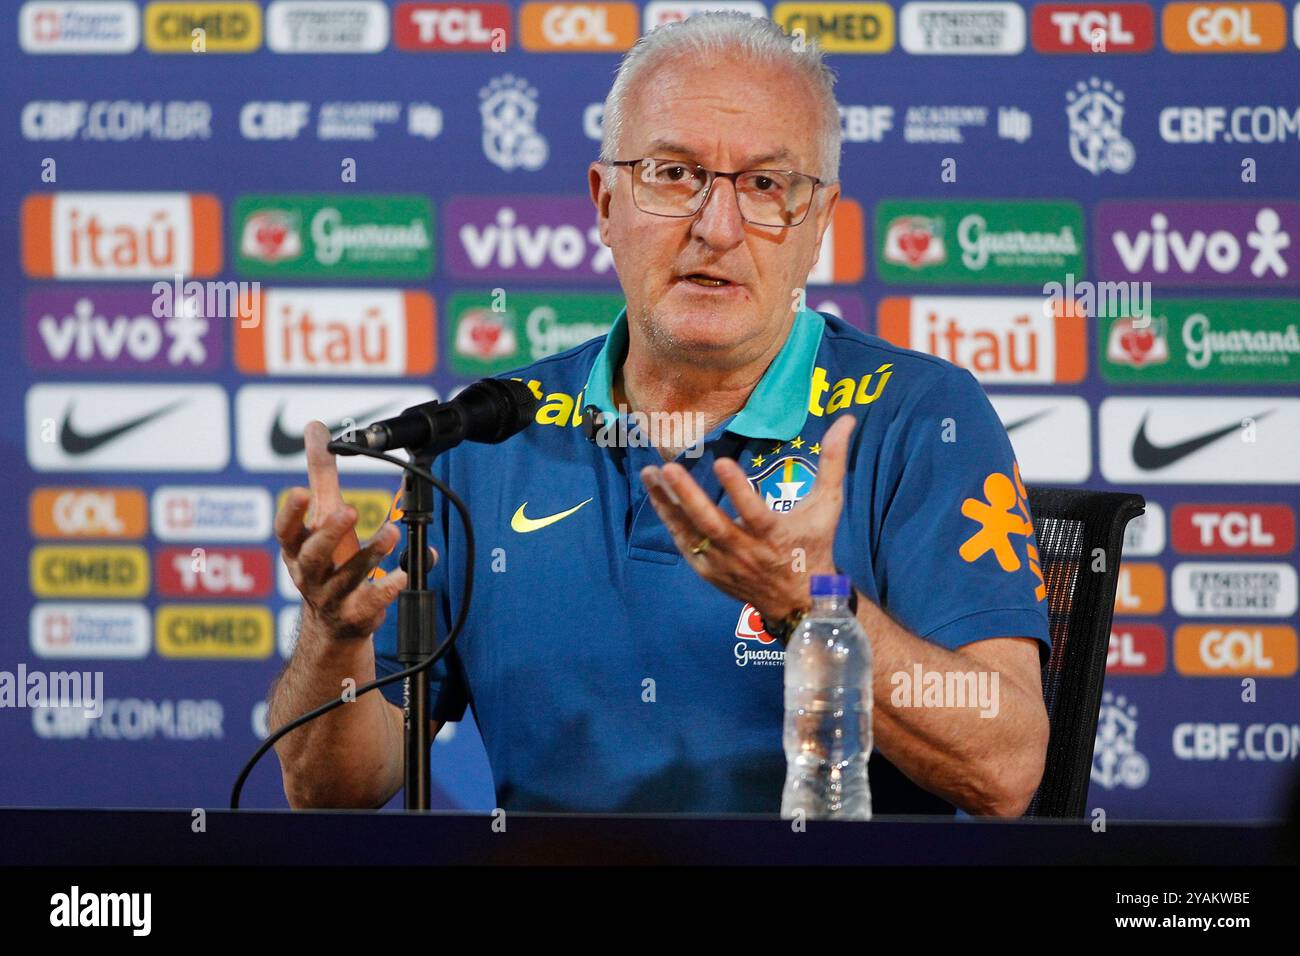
(619, 654)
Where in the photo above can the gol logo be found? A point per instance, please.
(1136, 649)
(578, 27)
(221, 27)
(1224, 650)
(1224, 27)
(62, 571)
(214, 632)
(1141, 589)
(87, 513)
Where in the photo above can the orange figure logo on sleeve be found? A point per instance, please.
(1003, 514)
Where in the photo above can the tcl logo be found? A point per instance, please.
(1227, 650)
(1136, 649)
(452, 26)
(1224, 27)
(87, 513)
(1233, 529)
(1093, 28)
(213, 572)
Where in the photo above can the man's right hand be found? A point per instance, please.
(329, 566)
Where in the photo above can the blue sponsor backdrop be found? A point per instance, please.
(1174, 746)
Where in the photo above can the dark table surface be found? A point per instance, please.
(77, 837)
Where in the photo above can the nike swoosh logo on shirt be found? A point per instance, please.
(523, 524)
(1151, 457)
(284, 443)
(75, 442)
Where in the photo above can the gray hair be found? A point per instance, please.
(707, 36)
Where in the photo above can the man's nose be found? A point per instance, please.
(719, 223)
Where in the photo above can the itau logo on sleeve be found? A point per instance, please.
(1095, 113)
(121, 235)
(127, 427)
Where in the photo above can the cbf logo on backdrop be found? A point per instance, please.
(508, 106)
(1096, 116)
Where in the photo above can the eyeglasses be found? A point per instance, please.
(766, 197)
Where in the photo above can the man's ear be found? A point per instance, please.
(601, 196)
(825, 210)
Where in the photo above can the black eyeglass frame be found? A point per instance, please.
(713, 174)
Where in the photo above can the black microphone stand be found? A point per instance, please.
(417, 625)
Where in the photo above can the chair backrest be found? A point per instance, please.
(1080, 542)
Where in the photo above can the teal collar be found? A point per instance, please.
(778, 406)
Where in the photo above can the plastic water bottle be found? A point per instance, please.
(828, 698)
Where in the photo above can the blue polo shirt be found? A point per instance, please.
(605, 675)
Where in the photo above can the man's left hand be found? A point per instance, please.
(764, 558)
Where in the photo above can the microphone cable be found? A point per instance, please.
(414, 669)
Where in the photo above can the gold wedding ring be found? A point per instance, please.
(702, 546)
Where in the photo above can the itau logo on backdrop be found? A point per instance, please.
(508, 105)
(1096, 116)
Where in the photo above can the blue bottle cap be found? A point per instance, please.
(831, 585)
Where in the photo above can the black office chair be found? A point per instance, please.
(1070, 525)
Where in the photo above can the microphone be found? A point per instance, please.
(489, 411)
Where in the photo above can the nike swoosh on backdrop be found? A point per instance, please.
(75, 442)
(1152, 457)
(524, 524)
(1027, 420)
(283, 443)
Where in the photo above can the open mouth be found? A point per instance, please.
(700, 278)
